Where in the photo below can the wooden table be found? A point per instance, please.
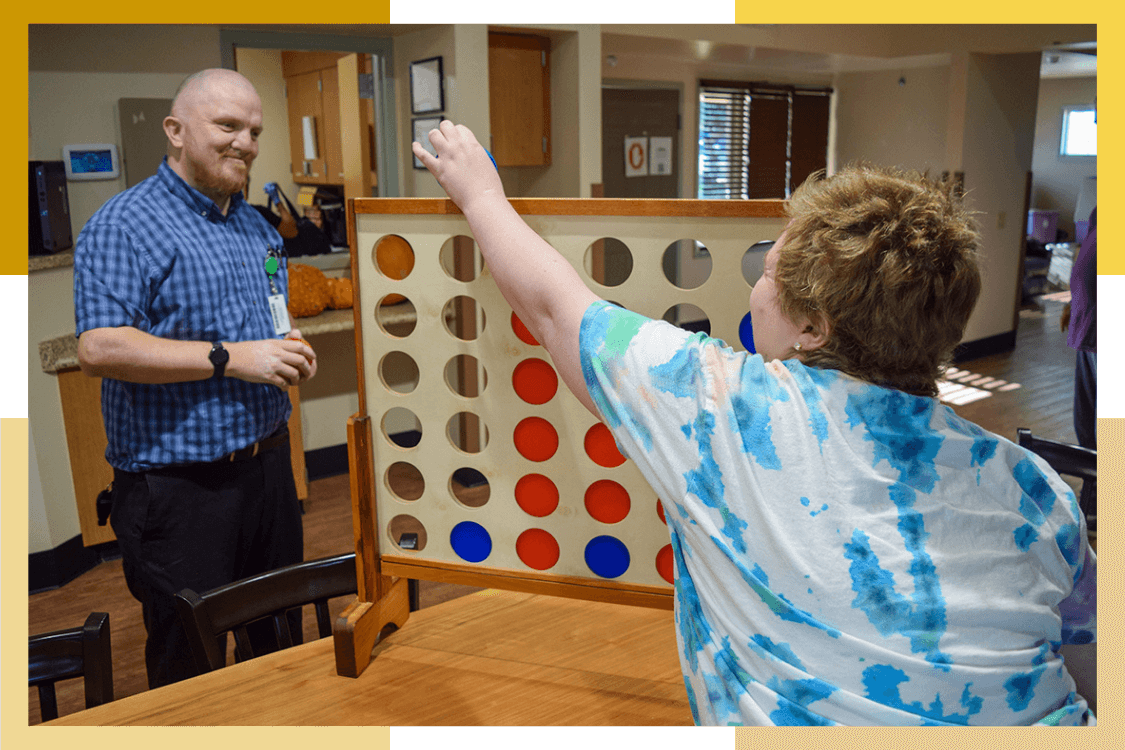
(489, 658)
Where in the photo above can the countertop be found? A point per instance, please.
(61, 352)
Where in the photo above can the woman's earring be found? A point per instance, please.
(797, 346)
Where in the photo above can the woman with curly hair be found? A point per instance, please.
(847, 549)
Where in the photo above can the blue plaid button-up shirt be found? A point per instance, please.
(162, 258)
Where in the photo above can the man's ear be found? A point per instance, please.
(174, 130)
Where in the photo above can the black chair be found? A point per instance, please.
(267, 597)
(1071, 460)
(65, 654)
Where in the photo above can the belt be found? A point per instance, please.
(244, 454)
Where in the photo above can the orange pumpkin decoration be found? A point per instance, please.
(308, 290)
(395, 259)
(339, 293)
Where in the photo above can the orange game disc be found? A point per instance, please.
(607, 501)
(535, 381)
(660, 511)
(537, 495)
(538, 549)
(536, 439)
(309, 346)
(521, 331)
(601, 448)
(664, 563)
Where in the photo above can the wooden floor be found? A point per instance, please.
(1042, 364)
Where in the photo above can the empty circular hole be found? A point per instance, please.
(405, 481)
(402, 427)
(754, 261)
(687, 264)
(399, 372)
(467, 432)
(463, 318)
(466, 376)
(397, 319)
(394, 257)
(469, 487)
(460, 258)
(608, 261)
(689, 317)
(407, 533)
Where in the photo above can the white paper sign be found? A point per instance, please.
(660, 155)
(636, 156)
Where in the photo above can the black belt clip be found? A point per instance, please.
(104, 504)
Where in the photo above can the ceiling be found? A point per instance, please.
(1070, 50)
(828, 49)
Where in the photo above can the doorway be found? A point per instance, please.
(646, 113)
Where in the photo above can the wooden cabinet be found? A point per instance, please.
(312, 92)
(519, 93)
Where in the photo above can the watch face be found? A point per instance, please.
(219, 355)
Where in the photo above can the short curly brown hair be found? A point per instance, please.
(887, 260)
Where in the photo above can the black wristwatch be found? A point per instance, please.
(219, 358)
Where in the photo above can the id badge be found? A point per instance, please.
(280, 314)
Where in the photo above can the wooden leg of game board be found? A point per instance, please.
(381, 600)
(358, 627)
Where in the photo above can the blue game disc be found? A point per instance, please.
(746, 334)
(470, 541)
(607, 556)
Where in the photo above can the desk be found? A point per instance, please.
(489, 658)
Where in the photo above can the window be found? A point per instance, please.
(759, 140)
(1079, 132)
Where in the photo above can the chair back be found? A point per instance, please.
(66, 654)
(268, 596)
(1065, 458)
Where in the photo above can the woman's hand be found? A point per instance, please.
(462, 166)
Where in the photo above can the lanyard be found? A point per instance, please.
(273, 263)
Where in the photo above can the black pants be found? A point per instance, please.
(200, 527)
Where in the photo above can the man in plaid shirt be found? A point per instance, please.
(180, 293)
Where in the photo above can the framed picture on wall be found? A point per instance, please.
(420, 133)
(426, 91)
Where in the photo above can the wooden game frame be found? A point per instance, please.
(382, 573)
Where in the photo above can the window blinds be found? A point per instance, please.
(759, 140)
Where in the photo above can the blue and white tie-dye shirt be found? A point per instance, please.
(845, 553)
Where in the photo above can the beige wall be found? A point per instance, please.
(1057, 180)
(999, 135)
(894, 124)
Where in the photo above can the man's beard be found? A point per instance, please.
(222, 181)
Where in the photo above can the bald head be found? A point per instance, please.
(213, 132)
(203, 85)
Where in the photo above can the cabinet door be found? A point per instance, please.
(519, 79)
(330, 109)
(304, 99)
